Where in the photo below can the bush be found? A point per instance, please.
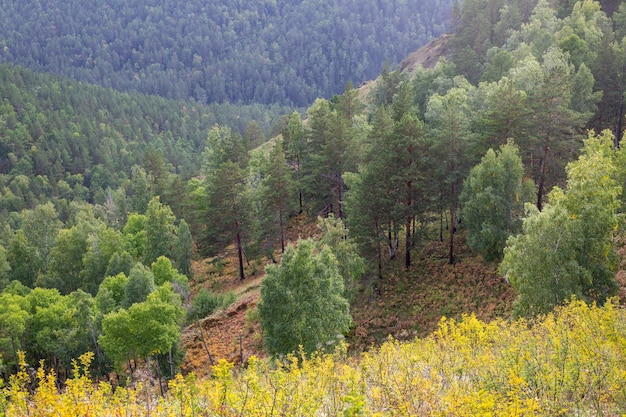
(207, 302)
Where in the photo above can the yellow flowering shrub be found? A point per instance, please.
(570, 362)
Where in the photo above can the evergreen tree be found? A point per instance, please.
(294, 145)
(374, 193)
(549, 86)
(276, 192)
(159, 228)
(139, 285)
(183, 248)
(227, 211)
(450, 119)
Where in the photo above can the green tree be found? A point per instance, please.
(223, 145)
(276, 192)
(330, 134)
(14, 315)
(58, 328)
(140, 189)
(450, 118)
(493, 199)
(227, 211)
(294, 144)
(567, 249)
(302, 302)
(5, 268)
(111, 294)
(183, 248)
(373, 193)
(160, 228)
(102, 245)
(22, 259)
(116, 340)
(40, 227)
(351, 266)
(144, 330)
(549, 86)
(66, 258)
(409, 143)
(503, 114)
(135, 234)
(140, 283)
(120, 262)
(163, 272)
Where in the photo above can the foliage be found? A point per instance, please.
(276, 196)
(206, 302)
(302, 302)
(63, 140)
(492, 201)
(144, 329)
(351, 266)
(183, 248)
(139, 285)
(567, 249)
(288, 52)
(159, 228)
(570, 362)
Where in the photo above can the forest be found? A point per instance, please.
(286, 52)
(113, 205)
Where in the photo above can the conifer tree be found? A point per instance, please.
(277, 189)
(159, 228)
(449, 117)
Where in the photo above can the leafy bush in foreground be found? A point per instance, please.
(570, 362)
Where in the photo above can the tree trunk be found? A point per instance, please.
(132, 371)
(150, 376)
(206, 347)
(542, 174)
(452, 218)
(240, 256)
(282, 229)
(171, 361)
(379, 251)
(407, 226)
(95, 341)
(159, 376)
(17, 361)
(620, 114)
(339, 194)
(407, 244)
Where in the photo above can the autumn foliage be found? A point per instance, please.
(570, 362)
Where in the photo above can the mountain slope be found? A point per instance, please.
(285, 51)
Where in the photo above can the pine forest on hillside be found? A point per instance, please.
(286, 52)
(472, 210)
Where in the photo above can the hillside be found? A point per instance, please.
(406, 305)
(134, 229)
(286, 52)
(90, 137)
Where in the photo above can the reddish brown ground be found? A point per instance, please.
(403, 305)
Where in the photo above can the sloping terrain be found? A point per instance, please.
(403, 305)
(428, 55)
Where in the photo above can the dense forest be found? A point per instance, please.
(64, 138)
(512, 142)
(271, 52)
